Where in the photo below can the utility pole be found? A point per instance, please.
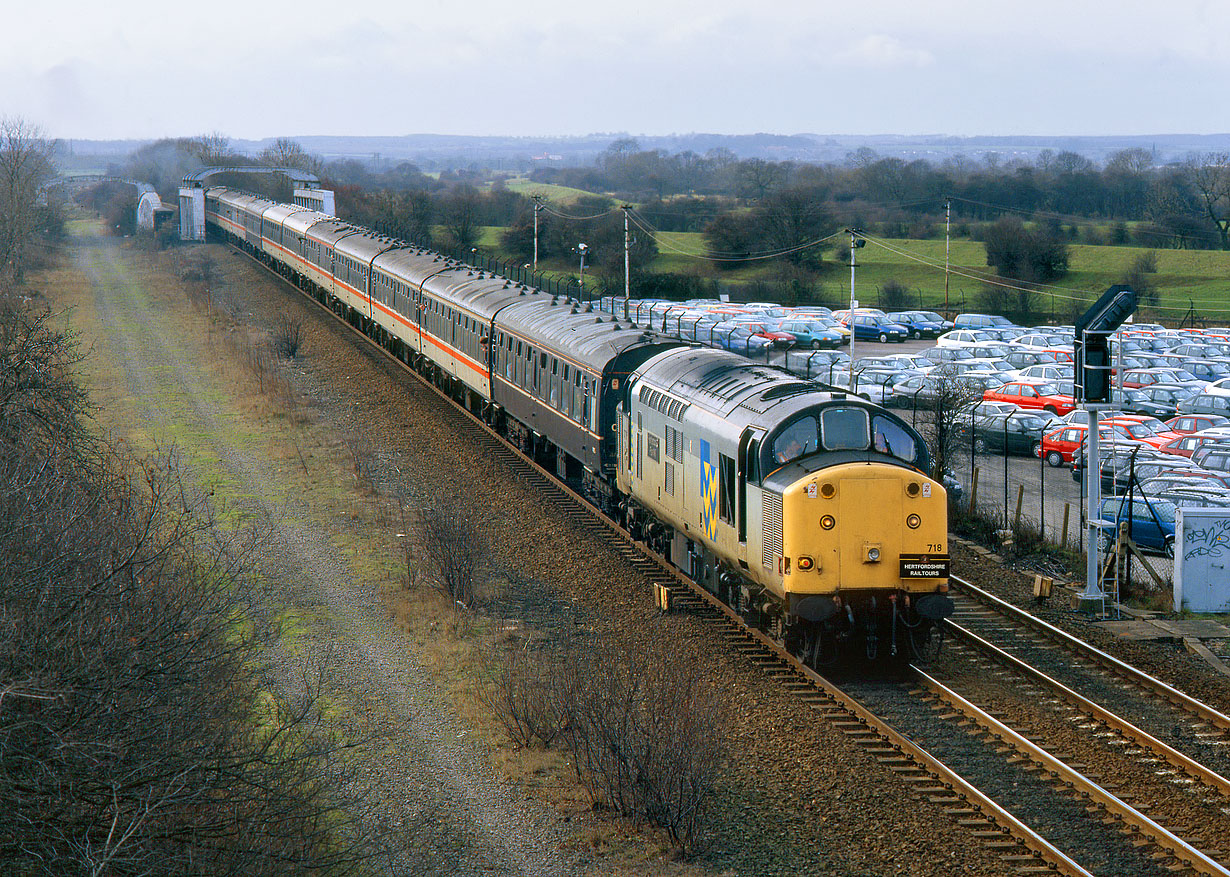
(537, 207)
(855, 243)
(947, 248)
(627, 261)
(582, 249)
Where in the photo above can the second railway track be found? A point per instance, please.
(1092, 833)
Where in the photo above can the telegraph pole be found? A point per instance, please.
(947, 248)
(627, 251)
(537, 207)
(855, 243)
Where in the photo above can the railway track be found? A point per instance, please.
(887, 719)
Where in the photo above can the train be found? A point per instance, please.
(809, 510)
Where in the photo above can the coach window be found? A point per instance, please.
(554, 382)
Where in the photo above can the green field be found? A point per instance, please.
(1198, 279)
(561, 195)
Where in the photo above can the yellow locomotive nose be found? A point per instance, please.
(863, 527)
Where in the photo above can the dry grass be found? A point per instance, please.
(315, 461)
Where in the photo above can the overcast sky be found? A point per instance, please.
(152, 68)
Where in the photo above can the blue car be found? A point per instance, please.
(1152, 522)
(869, 327)
(920, 323)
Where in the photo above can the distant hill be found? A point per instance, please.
(443, 151)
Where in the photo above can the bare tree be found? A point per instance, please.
(289, 153)
(287, 335)
(460, 216)
(213, 149)
(644, 731)
(142, 730)
(1209, 175)
(455, 548)
(950, 396)
(25, 164)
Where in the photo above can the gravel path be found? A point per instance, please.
(452, 814)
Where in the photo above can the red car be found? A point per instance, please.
(1039, 397)
(1058, 446)
(1149, 430)
(764, 330)
(1186, 424)
(1186, 445)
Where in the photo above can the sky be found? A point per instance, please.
(144, 69)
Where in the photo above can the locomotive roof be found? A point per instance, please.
(725, 382)
(577, 330)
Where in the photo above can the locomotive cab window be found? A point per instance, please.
(890, 437)
(844, 429)
(797, 439)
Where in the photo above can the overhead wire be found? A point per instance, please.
(1061, 292)
(643, 225)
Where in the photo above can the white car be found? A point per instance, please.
(1220, 387)
(962, 338)
(1044, 373)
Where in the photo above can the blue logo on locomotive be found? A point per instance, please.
(708, 492)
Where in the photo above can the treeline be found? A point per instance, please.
(142, 728)
(783, 218)
(31, 220)
(1181, 205)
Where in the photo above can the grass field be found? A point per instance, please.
(549, 191)
(1197, 279)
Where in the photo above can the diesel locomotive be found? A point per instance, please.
(807, 509)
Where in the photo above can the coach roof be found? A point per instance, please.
(575, 330)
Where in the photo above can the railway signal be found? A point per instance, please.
(1092, 373)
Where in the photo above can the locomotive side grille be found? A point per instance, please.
(772, 541)
(669, 485)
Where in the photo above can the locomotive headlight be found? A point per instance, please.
(828, 522)
(873, 555)
(913, 522)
